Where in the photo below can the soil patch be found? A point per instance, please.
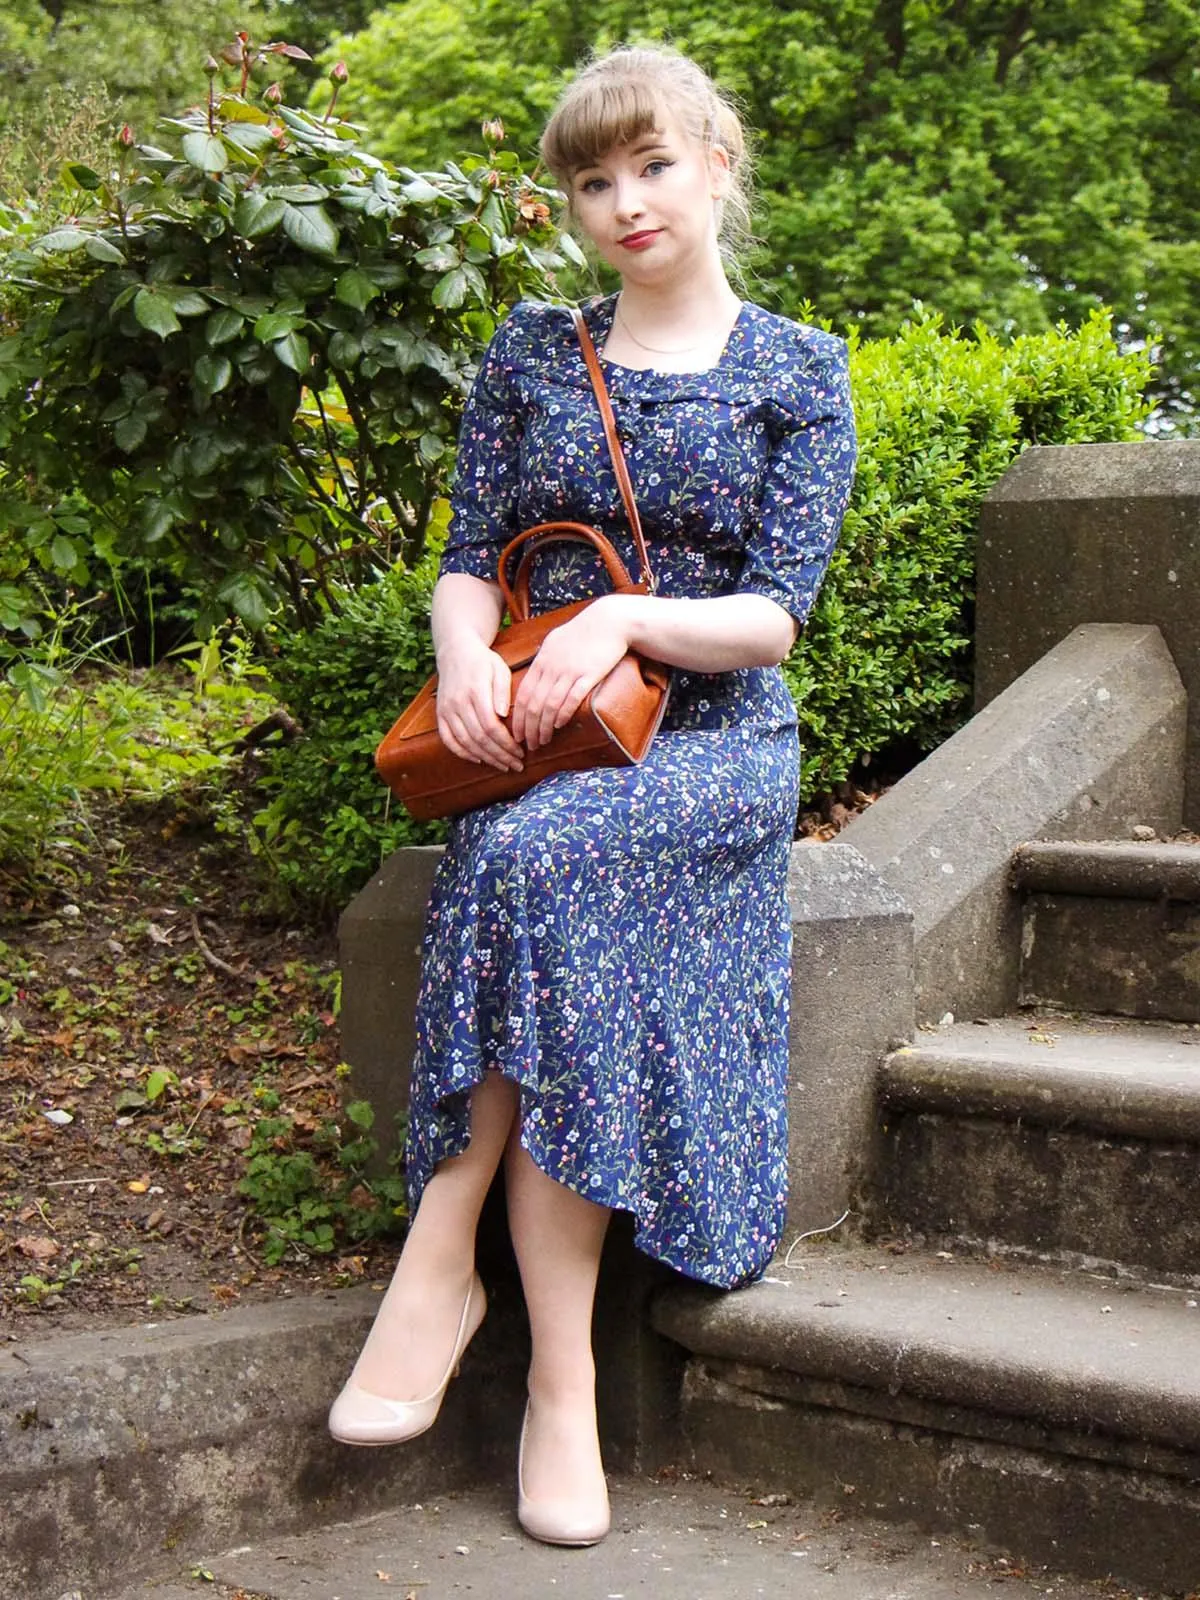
(149, 1019)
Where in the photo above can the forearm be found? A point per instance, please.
(465, 610)
(718, 634)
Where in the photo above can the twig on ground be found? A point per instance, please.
(69, 1183)
(215, 960)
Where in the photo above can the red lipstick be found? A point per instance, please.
(639, 241)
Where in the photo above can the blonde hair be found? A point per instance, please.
(620, 97)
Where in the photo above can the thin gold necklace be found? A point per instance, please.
(654, 349)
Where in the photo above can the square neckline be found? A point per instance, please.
(606, 307)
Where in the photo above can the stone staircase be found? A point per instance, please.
(1010, 1348)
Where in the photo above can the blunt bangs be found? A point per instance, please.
(596, 119)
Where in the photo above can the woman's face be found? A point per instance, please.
(649, 207)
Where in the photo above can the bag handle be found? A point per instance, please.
(516, 594)
(614, 444)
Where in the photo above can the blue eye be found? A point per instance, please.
(592, 185)
(655, 168)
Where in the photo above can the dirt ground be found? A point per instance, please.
(148, 1020)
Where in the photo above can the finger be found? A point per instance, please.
(451, 732)
(492, 740)
(501, 688)
(577, 694)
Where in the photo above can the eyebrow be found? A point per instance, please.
(638, 150)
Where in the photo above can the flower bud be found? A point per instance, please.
(125, 137)
(493, 131)
(273, 94)
(339, 73)
(212, 66)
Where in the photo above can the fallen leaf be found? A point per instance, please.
(37, 1247)
(138, 1185)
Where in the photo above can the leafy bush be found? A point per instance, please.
(886, 657)
(246, 355)
(329, 821)
(311, 1201)
(73, 726)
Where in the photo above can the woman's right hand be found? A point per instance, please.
(473, 695)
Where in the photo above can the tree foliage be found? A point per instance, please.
(1003, 161)
(246, 355)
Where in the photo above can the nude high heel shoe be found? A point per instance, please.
(359, 1417)
(569, 1522)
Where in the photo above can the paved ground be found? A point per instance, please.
(671, 1541)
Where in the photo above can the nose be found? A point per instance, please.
(627, 201)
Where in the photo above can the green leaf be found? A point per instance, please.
(293, 351)
(212, 373)
(100, 249)
(222, 326)
(249, 136)
(310, 228)
(276, 323)
(432, 447)
(344, 350)
(298, 193)
(205, 152)
(450, 291)
(570, 248)
(244, 596)
(130, 431)
(355, 288)
(156, 1083)
(438, 257)
(64, 553)
(83, 176)
(187, 303)
(421, 192)
(255, 215)
(155, 312)
(63, 239)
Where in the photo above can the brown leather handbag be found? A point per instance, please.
(615, 724)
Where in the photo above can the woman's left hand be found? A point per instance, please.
(571, 662)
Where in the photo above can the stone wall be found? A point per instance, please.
(1092, 533)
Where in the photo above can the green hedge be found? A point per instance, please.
(886, 657)
(885, 660)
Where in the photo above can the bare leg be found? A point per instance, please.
(557, 1236)
(404, 1356)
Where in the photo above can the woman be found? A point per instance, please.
(604, 992)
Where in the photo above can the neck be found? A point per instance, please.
(703, 296)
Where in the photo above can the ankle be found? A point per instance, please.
(568, 1388)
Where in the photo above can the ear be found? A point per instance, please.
(720, 170)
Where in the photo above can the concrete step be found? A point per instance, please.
(119, 1445)
(1047, 1413)
(679, 1540)
(1111, 927)
(1061, 1138)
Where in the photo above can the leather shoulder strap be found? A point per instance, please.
(614, 444)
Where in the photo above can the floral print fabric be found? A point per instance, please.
(618, 941)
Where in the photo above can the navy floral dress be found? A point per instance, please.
(618, 941)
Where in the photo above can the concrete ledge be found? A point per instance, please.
(1110, 868)
(1087, 744)
(379, 941)
(852, 1002)
(1092, 533)
(1050, 1353)
(914, 1464)
(1123, 1079)
(115, 1446)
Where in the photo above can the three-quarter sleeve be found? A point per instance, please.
(809, 474)
(485, 494)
